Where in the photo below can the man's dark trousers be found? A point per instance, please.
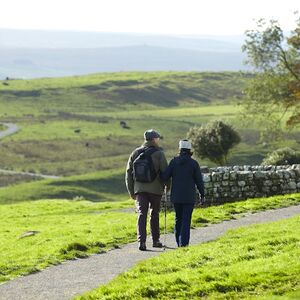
(183, 223)
(142, 204)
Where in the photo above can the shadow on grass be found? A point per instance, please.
(90, 189)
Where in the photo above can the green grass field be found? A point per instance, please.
(98, 187)
(13, 179)
(256, 262)
(69, 228)
(71, 127)
(49, 111)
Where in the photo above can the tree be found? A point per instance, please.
(273, 95)
(213, 141)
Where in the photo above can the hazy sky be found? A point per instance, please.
(213, 17)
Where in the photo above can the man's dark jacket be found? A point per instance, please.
(186, 174)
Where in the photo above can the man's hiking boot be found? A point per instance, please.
(142, 247)
(157, 244)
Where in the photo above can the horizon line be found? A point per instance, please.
(126, 32)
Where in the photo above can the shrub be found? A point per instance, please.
(282, 156)
(214, 141)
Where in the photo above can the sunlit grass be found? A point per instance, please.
(256, 261)
(75, 228)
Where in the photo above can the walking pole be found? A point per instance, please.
(165, 226)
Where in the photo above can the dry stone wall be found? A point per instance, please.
(227, 184)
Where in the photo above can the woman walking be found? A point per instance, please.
(186, 174)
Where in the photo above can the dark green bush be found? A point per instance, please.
(214, 141)
(282, 156)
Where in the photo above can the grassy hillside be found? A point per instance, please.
(101, 186)
(255, 262)
(49, 111)
(9, 179)
(84, 94)
(70, 229)
(71, 126)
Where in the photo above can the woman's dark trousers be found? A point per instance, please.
(183, 223)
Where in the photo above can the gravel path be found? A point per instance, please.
(76, 277)
(11, 129)
(29, 174)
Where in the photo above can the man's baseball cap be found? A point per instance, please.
(185, 144)
(151, 134)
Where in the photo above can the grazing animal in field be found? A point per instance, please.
(87, 144)
(77, 130)
(124, 125)
(5, 83)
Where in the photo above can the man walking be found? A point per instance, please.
(145, 186)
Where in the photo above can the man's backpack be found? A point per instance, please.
(143, 167)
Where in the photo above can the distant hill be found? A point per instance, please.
(32, 63)
(32, 54)
(11, 38)
(117, 90)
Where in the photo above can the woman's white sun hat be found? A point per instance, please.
(185, 144)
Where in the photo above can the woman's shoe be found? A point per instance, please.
(142, 247)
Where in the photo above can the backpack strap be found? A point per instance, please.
(150, 150)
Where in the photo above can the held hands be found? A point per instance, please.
(167, 189)
(203, 200)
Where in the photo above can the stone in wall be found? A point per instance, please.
(226, 184)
